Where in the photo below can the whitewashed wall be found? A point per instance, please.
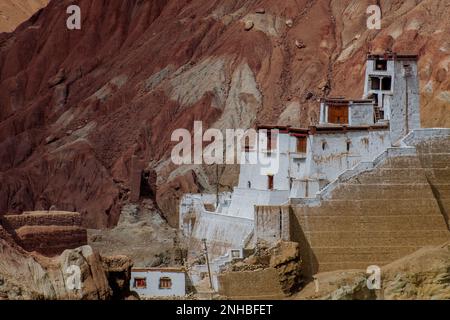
(361, 114)
(405, 103)
(328, 163)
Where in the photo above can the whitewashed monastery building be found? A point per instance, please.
(351, 131)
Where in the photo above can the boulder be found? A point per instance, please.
(299, 44)
(248, 25)
(58, 78)
(118, 272)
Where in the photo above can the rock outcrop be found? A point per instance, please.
(274, 272)
(422, 275)
(77, 274)
(28, 277)
(118, 273)
(43, 269)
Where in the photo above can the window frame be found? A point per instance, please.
(382, 62)
(136, 280)
(302, 144)
(163, 280)
(270, 182)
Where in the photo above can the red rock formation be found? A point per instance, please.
(77, 105)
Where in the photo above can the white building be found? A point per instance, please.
(350, 131)
(158, 282)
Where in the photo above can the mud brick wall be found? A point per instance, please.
(46, 232)
(42, 218)
(260, 284)
(434, 155)
(380, 215)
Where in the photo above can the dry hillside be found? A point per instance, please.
(77, 105)
(14, 12)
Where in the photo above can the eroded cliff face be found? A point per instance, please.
(77, 105)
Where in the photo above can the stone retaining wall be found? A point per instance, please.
(379, 215)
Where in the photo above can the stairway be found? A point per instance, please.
(379, 215)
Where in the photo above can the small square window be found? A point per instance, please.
(235, 254)
(375, 83)
(381, 65)
(165, 283)
(140, 283)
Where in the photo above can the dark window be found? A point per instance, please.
(249, 184)
(386, 84)
(301, 144)
(270, 182)
(381, 65)
(324, 145)
(349, 144)
(248, 143)
(165, 283)
(338, 114)
(140, 283)
(408, 70)
(374, 83)
(271, 141)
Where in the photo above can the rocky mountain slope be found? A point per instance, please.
(14, 12)
(77, 105)
(142, 235)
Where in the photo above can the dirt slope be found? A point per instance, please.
(14, 12)
(76, 105)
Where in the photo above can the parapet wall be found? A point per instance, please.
(46, 232)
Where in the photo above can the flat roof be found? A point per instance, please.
(326, 128)
(392, 56)
(345, 101)
(333, 128)
(272, 126)
(168, 269)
